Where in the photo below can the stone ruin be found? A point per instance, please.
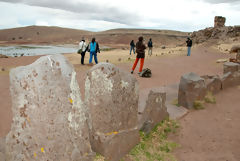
(51, 122)
(112, 97)
(49, 117)
(218, 32)
(194, 88)
(219, 21)
(151, 108)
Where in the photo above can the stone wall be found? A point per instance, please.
(194, 88)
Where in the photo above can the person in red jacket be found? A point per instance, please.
(140, 50)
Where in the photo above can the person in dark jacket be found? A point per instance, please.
(140, 49)
(94, 49)
(150, 46)
(132, 47)
(189, 45)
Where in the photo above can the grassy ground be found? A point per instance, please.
(154, 146)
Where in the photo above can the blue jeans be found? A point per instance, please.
(132, 48)
(95, 57)
(189, 51)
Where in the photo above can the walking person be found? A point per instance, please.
(132, 47)
(150, 46)
(82, 49)
(140, 49)
(94, 49)
(189, 45)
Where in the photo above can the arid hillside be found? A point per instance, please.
(113, 38)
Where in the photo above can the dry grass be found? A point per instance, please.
(209, 98)
(198, 105)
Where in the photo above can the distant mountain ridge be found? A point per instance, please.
(58, 35)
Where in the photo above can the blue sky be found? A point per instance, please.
(95, 15)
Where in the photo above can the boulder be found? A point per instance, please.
(230, 80)
(151, 108)
(112, 97)
(213, 83)
(235, 49)
(49, 117)
(230, 67)
(191, 88)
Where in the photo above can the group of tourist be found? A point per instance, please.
(93, 48)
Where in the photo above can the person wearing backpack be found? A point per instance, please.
(140, 49)
(150, 46)
(189, 45)
(94, 49)
(132, 47)
(82, 50)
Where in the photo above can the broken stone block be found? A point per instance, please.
(230, 80)
(230, 67)
(49, 117)
(151, 108)
(191, 88)
(213, 83)
(112, 97)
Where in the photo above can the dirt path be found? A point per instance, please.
(211, 134)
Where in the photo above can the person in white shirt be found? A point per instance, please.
(83, 47)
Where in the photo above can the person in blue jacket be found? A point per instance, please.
(94, 49)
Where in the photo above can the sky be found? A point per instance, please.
(99, 15)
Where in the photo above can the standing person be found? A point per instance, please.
(94, 49)
(140, 49)
(132, 47)
(189, 45)
(150, 46)
(82, 48)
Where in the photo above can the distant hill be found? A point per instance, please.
(114, 37)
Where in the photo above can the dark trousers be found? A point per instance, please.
(82, 58)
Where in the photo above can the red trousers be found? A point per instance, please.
(141, 64)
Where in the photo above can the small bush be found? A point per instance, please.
(198, 105)
(209, 98)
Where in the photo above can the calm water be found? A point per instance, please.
(31, 50)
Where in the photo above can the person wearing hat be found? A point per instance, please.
(82, 48)
(140, 50)
(189, 45)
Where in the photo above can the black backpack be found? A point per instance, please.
(146, 73)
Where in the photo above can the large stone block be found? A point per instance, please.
(151, 108)
(49, 117)
(191, 88)
(213, 83)
(112, 97)
(230, 67)
(230, 80)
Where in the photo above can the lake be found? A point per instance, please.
(31, 50)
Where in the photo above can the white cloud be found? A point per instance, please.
(95, 15)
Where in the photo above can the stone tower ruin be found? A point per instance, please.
(219, 21)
